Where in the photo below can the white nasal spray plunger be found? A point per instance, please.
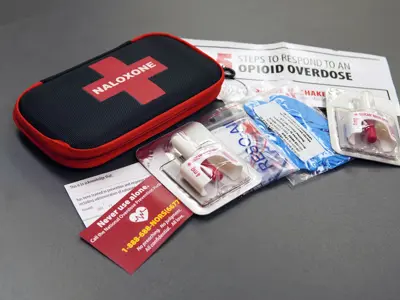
(199, 169)
(184, 145)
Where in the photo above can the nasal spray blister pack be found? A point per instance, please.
(231, 125)
(300, 130)
(363, 126)
(197, 168)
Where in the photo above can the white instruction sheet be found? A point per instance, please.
(312, 69)
(93, 196)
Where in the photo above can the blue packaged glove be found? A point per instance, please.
(299, 130)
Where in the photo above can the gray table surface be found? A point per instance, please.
(337, 237)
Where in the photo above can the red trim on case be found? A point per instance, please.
(88, 158)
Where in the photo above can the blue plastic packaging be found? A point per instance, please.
(314, 123)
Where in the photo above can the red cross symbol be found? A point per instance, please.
(133, 79)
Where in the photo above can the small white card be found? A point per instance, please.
(93, 196)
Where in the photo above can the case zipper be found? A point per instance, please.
(89, 160)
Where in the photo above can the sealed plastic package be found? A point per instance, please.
(231, 125)
(237, 91)
(301, 131)
(363, 126)
(234, 90)
(197, 168)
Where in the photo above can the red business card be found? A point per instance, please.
(134, 228)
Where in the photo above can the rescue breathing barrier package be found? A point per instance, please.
(232, 126)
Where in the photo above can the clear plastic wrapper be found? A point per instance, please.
(300, 131)
(197, 168)
(363, 126)
(231, 125)
(236, 91)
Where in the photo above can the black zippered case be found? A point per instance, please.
(93, 112)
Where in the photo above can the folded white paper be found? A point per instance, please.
(93, 196)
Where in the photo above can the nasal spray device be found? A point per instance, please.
(363, 126)
(204, 167)
(198, 168)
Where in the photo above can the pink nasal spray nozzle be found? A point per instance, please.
(204, 164)
(375, 127)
